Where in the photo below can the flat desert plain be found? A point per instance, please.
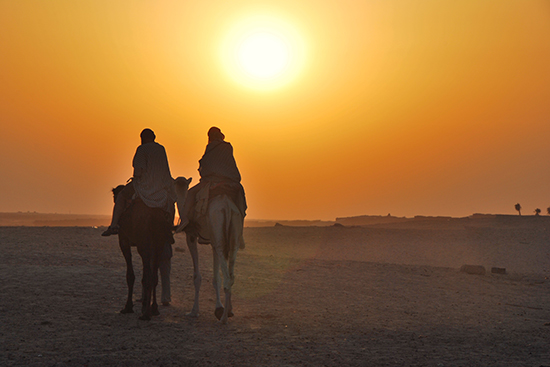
(379, 295)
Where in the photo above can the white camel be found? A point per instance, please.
(225, 232)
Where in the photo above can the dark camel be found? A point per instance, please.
(149, 230)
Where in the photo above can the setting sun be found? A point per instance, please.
(262, 52)
(263, 55)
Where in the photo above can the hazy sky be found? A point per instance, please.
(402, 107)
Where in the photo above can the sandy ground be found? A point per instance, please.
(307, 296)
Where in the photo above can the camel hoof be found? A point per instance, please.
(145, 318)
(155, 311)
(127, 310)
(219, 313)
(192, 314)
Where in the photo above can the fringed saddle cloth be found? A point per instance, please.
(210, 190)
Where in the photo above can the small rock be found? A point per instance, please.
(473, 269)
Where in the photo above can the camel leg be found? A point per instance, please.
(146, 284)
(155, 281)
(154, 304)
(197, 279)
(222, 313)
(130, 276)
(236, 242)
(231, 271)
(227, 268)
(235, 239)
(165, 267)
(228, 306)
(228, 280)
(217, 221)
(216, 282)
(222, 234)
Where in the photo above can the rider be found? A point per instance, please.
(217, 167)
(152, 181)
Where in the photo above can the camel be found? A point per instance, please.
(149, 230)
(225, 234)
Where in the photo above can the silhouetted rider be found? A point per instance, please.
(152, 182)
(219, 171)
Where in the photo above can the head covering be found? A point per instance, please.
(215, 133)
(147, 135)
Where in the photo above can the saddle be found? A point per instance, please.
(198, 223)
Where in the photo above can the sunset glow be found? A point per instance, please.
(334, 108)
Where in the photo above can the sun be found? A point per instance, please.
(263, 52)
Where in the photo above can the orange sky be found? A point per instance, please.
(402, 107)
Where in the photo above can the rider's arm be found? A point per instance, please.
(138, 172)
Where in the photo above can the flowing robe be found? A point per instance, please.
(155, 187)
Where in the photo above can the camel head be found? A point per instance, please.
(182, 185)
(117, 191)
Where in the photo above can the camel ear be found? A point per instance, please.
(183, 181)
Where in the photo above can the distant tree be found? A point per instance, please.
(518, 208)
(537, 211)
(548, 210)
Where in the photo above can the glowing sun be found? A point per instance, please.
(263, 52)
(263, 55)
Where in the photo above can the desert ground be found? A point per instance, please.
(386, 294)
